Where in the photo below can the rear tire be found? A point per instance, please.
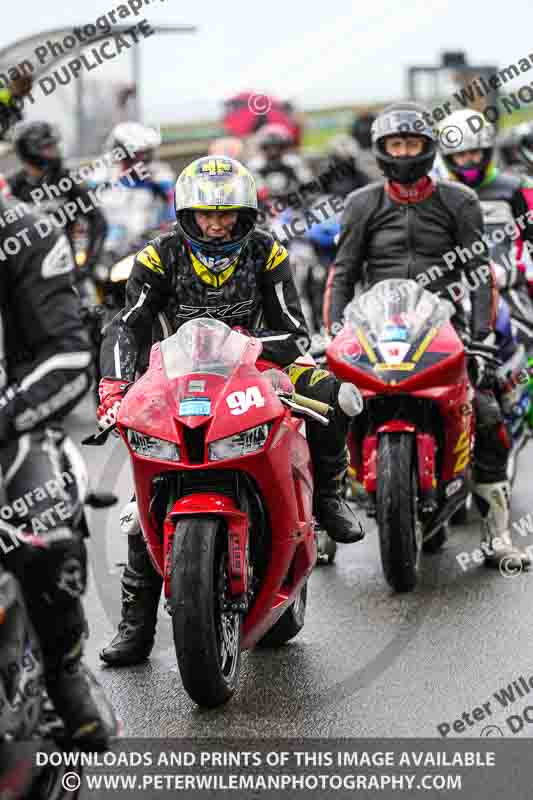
(397, 520)
(289, 624)
(207, 638)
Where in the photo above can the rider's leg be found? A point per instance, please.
(491, 489)
(52, 572)
(328, 449)
(141, 590)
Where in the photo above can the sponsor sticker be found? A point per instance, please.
(394, 333)
(195, 407)
(196, 387)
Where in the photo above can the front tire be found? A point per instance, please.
(207, 636)
(397, 519)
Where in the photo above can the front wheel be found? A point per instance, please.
(400, 532)
(207, 634)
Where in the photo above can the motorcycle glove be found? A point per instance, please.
(111, 392)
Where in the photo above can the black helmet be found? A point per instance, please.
(31, 139)
(274, 135)
(404, 119)
(524, 143)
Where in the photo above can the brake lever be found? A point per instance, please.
(98, 439)
(303, 411)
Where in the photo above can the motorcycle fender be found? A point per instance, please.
(396, 426)
(425, 448)
(237, 525)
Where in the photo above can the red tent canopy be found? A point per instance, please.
(246, 112)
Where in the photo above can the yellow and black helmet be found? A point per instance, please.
(216, 183)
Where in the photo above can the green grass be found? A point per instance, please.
(510, 120)
(317, 139)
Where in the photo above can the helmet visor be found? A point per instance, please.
(215, 183)
(401, 121)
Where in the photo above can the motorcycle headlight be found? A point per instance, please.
(151, 447)
(240, 444)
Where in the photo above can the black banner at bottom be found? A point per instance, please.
(286, 768)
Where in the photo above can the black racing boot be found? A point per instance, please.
(330, 461)
(141, 590)
(70, 691)
(331, 510)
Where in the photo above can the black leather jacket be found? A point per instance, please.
(45, 358)
(258, 295)
(382, 238)
(22, 186)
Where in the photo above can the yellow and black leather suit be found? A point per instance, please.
(256, 292)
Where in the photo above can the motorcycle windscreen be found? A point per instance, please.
(205, 346)
(395, 322)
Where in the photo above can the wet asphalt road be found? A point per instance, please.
(368, 663)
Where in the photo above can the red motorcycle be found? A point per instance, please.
(411, 446)
(224, 487)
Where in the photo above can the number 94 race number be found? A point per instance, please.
(241, 402)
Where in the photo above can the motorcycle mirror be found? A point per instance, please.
(100, 438)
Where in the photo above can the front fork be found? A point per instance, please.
(426, 455)
(238, 549)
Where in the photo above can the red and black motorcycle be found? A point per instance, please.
(224, 488)
(411, 446)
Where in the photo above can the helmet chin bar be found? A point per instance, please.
(406, 169)
(461, 172)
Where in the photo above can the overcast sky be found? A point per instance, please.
(314, 52)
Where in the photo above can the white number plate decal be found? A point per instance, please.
(241, 402)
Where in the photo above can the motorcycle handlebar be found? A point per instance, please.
(312, 405)
(315, 407)
(303, 411)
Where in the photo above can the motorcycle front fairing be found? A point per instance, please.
(398, 344)
(204, 396)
